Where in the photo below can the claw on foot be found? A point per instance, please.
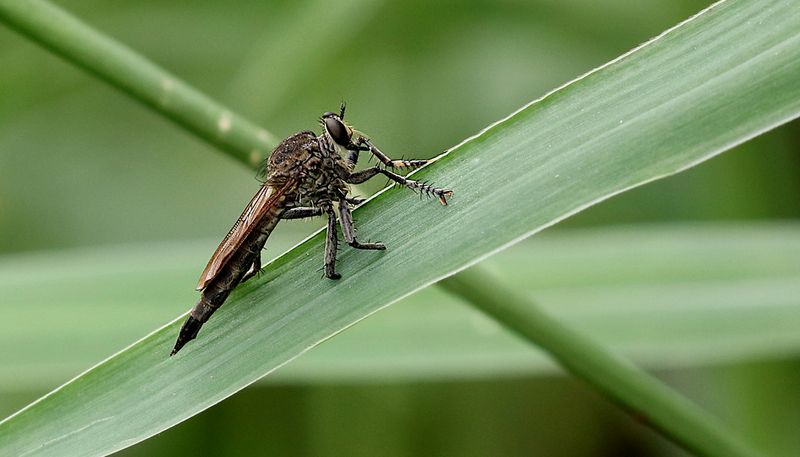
(443, 196)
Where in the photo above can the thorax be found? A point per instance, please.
(324, 180)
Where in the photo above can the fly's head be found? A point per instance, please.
(336, 130)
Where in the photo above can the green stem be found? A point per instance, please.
(111, 61)
(644, 396)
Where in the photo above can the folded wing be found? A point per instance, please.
(267, 197)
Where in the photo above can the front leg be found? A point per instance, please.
(346, 219)
(330, 246)
(363, 144)
(425, 188)
(352, 156)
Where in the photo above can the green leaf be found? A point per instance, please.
(665, 296)
(717, 80)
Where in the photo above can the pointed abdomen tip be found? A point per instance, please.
(188, 332)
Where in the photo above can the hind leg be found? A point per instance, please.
(346, 220)
(331, 243)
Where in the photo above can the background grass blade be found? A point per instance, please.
(666, 296)
(322, 36)
(714, 82)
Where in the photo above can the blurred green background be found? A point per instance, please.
(96, 190)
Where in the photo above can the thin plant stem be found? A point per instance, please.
(646, 398)
(136, 76)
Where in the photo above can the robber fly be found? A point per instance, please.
(306, 175)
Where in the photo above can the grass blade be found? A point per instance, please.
(666, 296)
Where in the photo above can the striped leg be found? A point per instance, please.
(364, 144)
(363, 175)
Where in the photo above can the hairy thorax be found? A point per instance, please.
(315, 164)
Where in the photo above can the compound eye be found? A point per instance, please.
(337, 131)
(327, 114)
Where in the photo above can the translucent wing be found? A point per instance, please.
(267, 197)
